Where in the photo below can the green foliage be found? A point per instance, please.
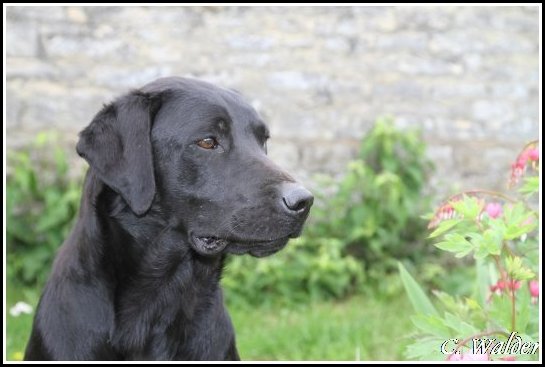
(306, 269)
(375, 212)
(502, 239)
(41, 206)
(516, 270)
(418, 298)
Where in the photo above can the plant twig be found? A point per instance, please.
(482, 191)
(509, 250)
(500, 269)
(513, 321)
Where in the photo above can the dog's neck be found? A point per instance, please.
(137, 237)
(158, 264)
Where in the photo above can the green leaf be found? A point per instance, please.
(444, 226)
(500, 311)
(472, 304)
(426, 349)
(530, 186)
(517, 215)
(462, 328)
(495, 225)
(447, 300)
(470, 207)
(480, 253)
(418, 298)
(517, 270)
(492, 242)
(455, 242)
(483, 282)
(523, 303)
(517, 229)
(489, 244)
(431, 324)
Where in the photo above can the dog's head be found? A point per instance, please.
(197, 154)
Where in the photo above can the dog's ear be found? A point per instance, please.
(117, 145)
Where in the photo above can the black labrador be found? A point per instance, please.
(178, 179)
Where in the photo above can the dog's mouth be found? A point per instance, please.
(258, 248)
(210, 245)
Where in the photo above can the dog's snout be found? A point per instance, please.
(296, 198)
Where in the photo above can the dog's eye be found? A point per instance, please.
(208, 143)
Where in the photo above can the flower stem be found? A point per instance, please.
(491, 193)
(485, 192)
(509, 250)
(513, 321)
(531, 144)
(500, 269)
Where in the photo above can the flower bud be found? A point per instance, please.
(533, 285)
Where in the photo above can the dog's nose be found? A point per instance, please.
(296, 198)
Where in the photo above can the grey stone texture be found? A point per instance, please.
(467, 76)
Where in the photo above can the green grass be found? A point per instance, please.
(18, 328)
(372, 328)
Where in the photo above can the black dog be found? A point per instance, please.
(178, 178)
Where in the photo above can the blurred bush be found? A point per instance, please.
(356, 232)
(307, 269)
(376, 210)
(41, 204)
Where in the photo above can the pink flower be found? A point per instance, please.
(445, 212)
(498, 287)
(454, 357)
(508, 358)
(516, 173)
(468, 357)
(502, 285)
(494, 210)
(534, 288)
(514, 284)
(528, 221)
(523, 158)
(475, 357)
(518, 168)
(533, 154)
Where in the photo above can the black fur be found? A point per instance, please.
(138, 277)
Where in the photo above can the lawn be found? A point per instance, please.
(18, 328)
(359, 328)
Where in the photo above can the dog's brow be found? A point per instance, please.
(219, 110)
(223, 125)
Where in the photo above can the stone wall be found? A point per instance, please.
(468, 76)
